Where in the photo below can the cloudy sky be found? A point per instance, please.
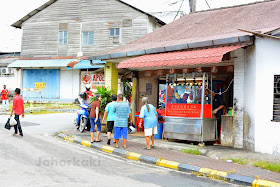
(13, 10)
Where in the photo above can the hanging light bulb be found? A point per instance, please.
(174, 84)
(191, 84)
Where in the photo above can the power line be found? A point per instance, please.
(179, 10)
(207, 4)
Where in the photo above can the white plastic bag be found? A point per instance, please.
(13, 122)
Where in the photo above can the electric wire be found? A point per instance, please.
(207, 4)
(179, 10)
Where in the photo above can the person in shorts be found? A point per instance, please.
(111, 117)
(122, 111)
(149, 114)
(94, 118)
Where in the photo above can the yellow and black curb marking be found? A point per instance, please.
(220, 175)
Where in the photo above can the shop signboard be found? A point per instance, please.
(160, 72)
(230, 69)
(199, 69)
(92, 78)
(186, 70)
(148, 73)
(188, 110)
(214, 69)
(171, 71)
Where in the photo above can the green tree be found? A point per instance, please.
(106, 97)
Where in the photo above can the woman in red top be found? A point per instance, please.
(5, 98)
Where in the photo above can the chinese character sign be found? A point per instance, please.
(160, 72)
(199, 69)
(214, 69)
(230, 69)
(148, 73)
(188, 110)
(95, 80)
(171, 71)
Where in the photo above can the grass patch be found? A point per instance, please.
(239, 161)
(191, 151)
(43, 112)
(271, 166)
(53, 106)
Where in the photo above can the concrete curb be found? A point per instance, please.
(219, 175)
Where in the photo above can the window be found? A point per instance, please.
(276, 99)
(115, 34)
(88, 38)
(63, 37)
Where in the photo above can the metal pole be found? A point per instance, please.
(167, 77)
(202, 96)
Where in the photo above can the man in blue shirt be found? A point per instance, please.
(122, 111)
(111, 117)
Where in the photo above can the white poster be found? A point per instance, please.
(95, 80)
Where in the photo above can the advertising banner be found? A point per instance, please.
(188, 110)
(92, 78)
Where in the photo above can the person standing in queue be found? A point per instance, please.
(218, 105)
(149, 114)
(111, 117)
(122, 111)
(94, 118)
(18, 109)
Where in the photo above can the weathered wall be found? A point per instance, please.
(41, 32)
(69, 83)
(12, 82)
(267, 139)
(238, 94)
(249, 101)
(142, 89)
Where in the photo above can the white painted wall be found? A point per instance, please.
(69, 83)
(267, 56)
(238, 97)
(12, 82)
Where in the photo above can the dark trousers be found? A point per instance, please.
(17, 126)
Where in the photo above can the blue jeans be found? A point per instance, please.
(92, 124)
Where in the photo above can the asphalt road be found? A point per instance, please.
(39, 159)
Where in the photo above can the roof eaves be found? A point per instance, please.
(18, 24)
(155, 19)
(179, 47)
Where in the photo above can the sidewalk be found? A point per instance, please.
(211, 158)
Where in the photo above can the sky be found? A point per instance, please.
(13, 10)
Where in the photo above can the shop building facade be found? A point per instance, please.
(255, 90)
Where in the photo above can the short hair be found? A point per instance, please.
(4, 85)
(97, 96)
(17, 90)
(114, 97)
(120, 96)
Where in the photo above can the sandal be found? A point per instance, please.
(153, 146)
(98, 140)
(93, 141)
(147, 148)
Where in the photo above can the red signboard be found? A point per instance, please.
(188, 110)
(186, 70)
(230, 69)
(160, 72)
(214, 69)
(171, 71)
(199, 69)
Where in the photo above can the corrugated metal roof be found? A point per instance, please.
(85, 64)
(40, 63)
(179, 59)
(202, 27)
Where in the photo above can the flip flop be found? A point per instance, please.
(98, 140)
(153, 146)
(147, 148)
(93, 141)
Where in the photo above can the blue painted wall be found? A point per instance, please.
(51, 77)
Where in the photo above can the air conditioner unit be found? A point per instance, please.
(6, 71)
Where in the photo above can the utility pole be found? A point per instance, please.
(192, 5)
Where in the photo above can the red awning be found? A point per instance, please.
(184, 58)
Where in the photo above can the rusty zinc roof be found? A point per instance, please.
(206, 27)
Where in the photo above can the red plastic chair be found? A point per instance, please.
(138, 121)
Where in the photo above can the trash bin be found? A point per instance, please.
(160, 130)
